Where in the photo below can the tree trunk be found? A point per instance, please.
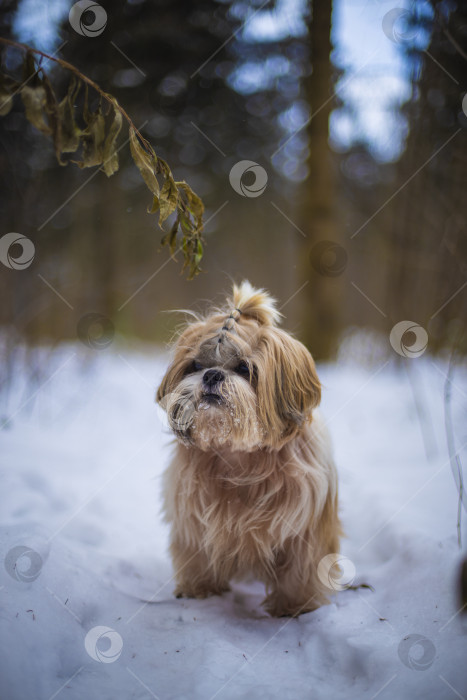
(320, 264)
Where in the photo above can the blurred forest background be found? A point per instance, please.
(354, 108)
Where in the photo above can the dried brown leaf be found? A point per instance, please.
(8, 88)
(145, 162)
(93, 136)
(168, 199)
(110, 155)
(71, 133)
(35, 100)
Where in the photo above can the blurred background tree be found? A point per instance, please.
(355, 114)
(428, 227)
(321, 300)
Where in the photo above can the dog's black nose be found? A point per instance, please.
(212, 377)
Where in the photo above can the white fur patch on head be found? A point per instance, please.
(255, 303)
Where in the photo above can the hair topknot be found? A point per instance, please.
(255, 303)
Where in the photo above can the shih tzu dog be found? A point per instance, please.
(252, 488)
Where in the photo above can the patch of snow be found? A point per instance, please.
(81, 463)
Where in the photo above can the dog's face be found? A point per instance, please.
(237, 381)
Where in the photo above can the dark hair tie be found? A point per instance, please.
(234, 317)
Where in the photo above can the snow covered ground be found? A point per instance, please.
(86, 594)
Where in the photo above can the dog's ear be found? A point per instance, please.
(288, 387)
(183, 349)
(169, 381)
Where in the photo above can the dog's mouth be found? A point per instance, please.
(209, 399)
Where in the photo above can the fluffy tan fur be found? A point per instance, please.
(252, 488)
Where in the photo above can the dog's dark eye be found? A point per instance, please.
(243, 370)
(193, 367)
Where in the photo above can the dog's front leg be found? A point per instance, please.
(294, 587)
(193, 575)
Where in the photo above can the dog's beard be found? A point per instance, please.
(223, 419)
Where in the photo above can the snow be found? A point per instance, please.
(83, 448)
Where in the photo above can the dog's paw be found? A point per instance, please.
(278, 606)
(185, 590)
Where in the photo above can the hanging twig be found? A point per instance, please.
(81, 76)
(456, 464)
(424, 417)
(98, 142)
